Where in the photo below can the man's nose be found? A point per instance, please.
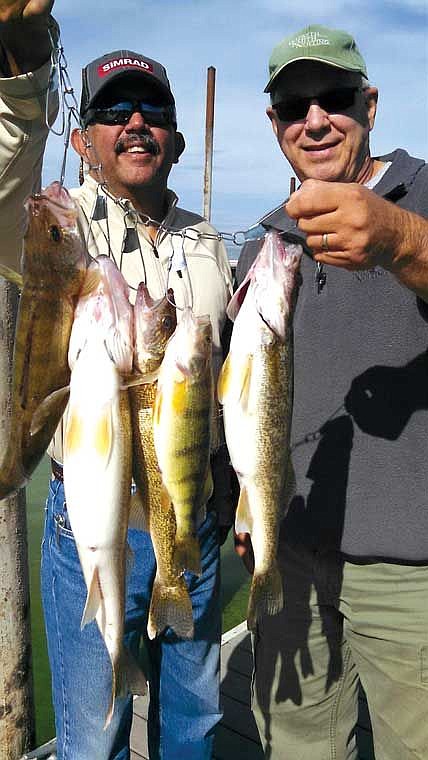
(136, 122)
(316, 117)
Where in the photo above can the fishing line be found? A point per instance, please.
(59, 79)
(68, 108)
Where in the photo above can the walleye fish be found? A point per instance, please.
(97, 460)
(154, 323)
(182, 430)
(53, 269)
(256, 389)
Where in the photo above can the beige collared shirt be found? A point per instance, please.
(204, 280)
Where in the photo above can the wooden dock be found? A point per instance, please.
(237, 736)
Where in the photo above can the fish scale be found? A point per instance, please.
(54, 267)
(182, 429)
(256, 390)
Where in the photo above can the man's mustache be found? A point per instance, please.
(147, 142)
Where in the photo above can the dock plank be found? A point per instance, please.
(236, 735)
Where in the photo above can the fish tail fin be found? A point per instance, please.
(93, 599)
(266, 596)
(170, 606)
(127, 677)
(187, 555)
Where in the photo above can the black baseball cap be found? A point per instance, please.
(111, 68)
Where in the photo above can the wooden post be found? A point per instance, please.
(16, 683)
(209, 132)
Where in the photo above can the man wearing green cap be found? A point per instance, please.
(354, 543)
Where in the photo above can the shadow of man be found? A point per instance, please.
(379, 403)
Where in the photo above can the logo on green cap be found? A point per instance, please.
(310, 39)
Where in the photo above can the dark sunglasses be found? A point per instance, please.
(332, 101)
(121, 112)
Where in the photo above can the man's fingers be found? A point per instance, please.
(314, 197)
(15, 10)
(317, 225)
(324, 242)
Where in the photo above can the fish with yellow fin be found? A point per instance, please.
(170, 605)
(98, 460)
(256, 390)
(182, 430)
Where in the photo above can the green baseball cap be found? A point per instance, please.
(316, 43)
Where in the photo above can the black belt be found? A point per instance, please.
(57, 470)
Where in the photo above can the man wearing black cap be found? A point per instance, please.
(354, 543)
(128, 143)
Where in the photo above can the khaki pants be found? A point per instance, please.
(343, 622)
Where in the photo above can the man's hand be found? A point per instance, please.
(357, 225)
(349, 226)
(24, 35)
(244, 549)
(24, 10)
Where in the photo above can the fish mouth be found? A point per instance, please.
(58, 200)
(145, 301)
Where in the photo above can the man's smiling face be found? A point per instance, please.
(134, 155)
(324, 144)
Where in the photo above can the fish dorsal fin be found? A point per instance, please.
(243, 519)
(235, 381)
(93, 599)
(73, 433)
(48, 408)
(165, 500)
(11, 276)
(224, 380)
(103, 436)
(137, 512)
(245, 382)
(157, 408)
(132, 379)
(91, 282)
(118, 348)
(130, 559)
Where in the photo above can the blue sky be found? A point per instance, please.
(250, 173)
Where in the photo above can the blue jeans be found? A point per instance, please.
(183, 675)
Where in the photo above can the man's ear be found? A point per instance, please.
(180, 144)
(80, 142)
(272, 116)
(371, 96)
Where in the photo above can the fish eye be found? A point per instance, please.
(167, 323)
(55, 233)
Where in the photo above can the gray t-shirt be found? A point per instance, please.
(360, 417)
